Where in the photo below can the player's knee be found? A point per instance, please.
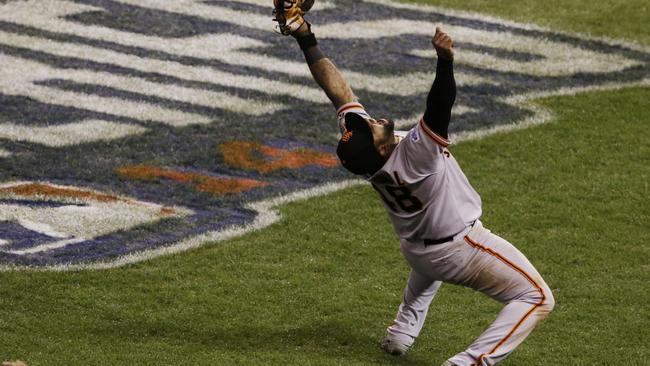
(549, 301)
(545, 301)
(541, 296)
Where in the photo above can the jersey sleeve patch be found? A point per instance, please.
(434, 136)
(414, 135)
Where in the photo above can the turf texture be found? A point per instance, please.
(315, 290)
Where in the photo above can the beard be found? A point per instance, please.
(390, 127)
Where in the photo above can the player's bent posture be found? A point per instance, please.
(434, 209)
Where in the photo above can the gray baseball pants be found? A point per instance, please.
(481, 260)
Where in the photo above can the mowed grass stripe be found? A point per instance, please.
(319, 287)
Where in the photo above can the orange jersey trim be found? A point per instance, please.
(348, 106)
(434, 136)
(476, 245)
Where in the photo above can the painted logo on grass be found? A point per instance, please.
(131, 128)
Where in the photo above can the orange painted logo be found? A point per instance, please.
(265, 159)
(202, 182)
(48, 190)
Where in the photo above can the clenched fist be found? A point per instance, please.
(443, 44)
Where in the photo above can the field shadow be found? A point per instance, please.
(326, 340)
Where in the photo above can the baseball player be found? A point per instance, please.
(433, 208)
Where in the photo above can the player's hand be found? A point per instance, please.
(443, 44)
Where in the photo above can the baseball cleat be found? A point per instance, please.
(448, 363)
(289, 14)
(397, 345)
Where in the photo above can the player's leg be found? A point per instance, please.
(496, 268)
(478, 259)
(411, 314)
(323, 69)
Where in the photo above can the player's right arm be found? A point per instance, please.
(443, 91)
(331, 81)
(325, 73)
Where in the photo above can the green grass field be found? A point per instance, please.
(620, 19)
(315, 290)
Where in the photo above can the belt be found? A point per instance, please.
(438, 241)
(428, 242)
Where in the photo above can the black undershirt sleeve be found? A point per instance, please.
(441, 98)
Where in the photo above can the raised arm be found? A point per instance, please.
(289, 15)
(322, 69)
(443, 91)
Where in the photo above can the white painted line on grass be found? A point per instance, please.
(17, 77)
(198, 8)
(408, 122)
(80, 214)
(69, 134)
(45, 247)
(267, 215)
(41, 228)
(223, 47)
(169, 68)
(407, 84)
(50, 15)
(557, 58)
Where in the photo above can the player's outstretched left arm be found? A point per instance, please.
(325, 73)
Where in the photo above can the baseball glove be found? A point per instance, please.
(289, 14)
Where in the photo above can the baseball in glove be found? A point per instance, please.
(289, 14)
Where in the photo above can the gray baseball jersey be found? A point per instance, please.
(424, 190)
